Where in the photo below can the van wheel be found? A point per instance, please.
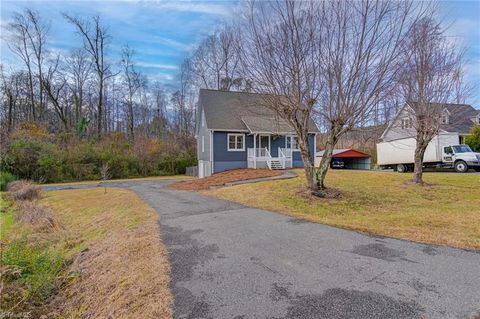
(401, 168)
(461, 167)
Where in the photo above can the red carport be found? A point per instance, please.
(352, 159)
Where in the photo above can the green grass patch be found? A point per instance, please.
(5, 178)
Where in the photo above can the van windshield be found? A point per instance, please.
(461, 149)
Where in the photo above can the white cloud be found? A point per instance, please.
(214, 8)
(158, 65)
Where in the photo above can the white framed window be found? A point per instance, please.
(235, 142)
(291, 142)
(203, 144)
(202, 118)
(406, 123)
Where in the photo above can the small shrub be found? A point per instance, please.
(24, 190)
(31, 213)
(5, 178)
(473, 140)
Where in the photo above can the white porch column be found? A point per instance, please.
(255, 151)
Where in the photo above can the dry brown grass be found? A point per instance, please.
(123, 270)
(220, 179)
(24, 190)
(446, 212)
(116, 265)
(35, 215)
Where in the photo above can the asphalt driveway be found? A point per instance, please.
(231, 261)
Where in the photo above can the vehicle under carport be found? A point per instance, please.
(352, 159)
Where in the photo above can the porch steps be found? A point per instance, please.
(276, 164)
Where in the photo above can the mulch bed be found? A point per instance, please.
(223, 178)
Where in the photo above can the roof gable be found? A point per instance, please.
(459, 117)
(241, 111)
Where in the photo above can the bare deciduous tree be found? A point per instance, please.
(431, 77)
(133, 82)
(78, 69)
(28, 35)
(215, 64)
(280, 58)
(361, 44)
(95, 40)
(54, 84)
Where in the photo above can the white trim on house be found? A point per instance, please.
(232, 130)
(291, 137)
(407, 123)
(260, 141)
(236, 141)
(211, 151)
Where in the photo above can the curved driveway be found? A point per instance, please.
(231, 261)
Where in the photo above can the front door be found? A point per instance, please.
(447, 155)
(264, 142)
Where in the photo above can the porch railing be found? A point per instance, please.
(281, 157)
(258, 152)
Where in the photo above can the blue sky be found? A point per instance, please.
(164, 32)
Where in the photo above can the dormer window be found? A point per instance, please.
(406, 123)
(444, 119)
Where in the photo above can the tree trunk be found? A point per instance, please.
(326, 158)
(10, 111)
(419, 153)
(130, 121)
(100, 108)
(307, 162)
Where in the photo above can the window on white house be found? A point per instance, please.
(236, 142)
(406, 123)
(292, 142)
(203, 144)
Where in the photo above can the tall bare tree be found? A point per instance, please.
(133, 81)
(28, 36)
(215, 64)
(54, 84)
(432, 69)
(95, 40)
(280, 58)
(360, 46)
(78, 69)
(160, 105)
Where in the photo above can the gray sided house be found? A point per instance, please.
(234, 131)
(457, 122)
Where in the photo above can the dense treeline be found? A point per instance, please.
(36, 154)
(346, 75)
(63, 116)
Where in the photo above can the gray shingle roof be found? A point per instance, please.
(225, 110)
(460, 118)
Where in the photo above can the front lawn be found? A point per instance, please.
(382, 203)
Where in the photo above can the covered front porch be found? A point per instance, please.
(271, 151)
